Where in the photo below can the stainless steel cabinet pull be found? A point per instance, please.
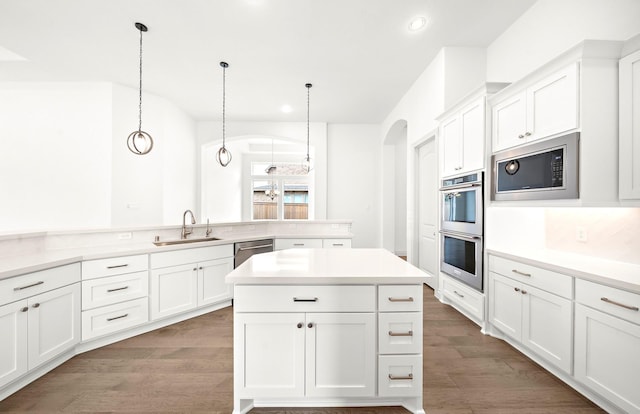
(520, 136)
(527, 134)
(409, 299)
(516, 289)
(117, 266)
(117, 317)
(310, 325)
(201, 268)
(401, 377)
(524, 292)
(521, 273)
(36, 305)
(24, 309)
(117, 289)
(613, 302)
(262, 246)
(300, 324)
(338, 244)
(459, 294)
(195, 269)
(298, 244)
(28, 286)
(408, 333)
(305, 299)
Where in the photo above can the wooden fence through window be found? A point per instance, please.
(269, 211)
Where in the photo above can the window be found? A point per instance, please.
(292, 203)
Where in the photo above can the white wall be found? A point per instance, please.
(354, 175)
(55, 155)
(551, 27)
(400, 184)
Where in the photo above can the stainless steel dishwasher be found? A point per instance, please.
(245, 250)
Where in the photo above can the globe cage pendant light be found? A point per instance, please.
(272, 192)
(306, 163)
(140, 142)
(224, 155)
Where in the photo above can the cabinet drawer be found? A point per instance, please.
(553, 282)
(336, 243)
(20, 287)
(282, 244)
(113, 318)
(470, 300)
(400, 298)
(286, 298)
(611, 300)
(399, 375)
(114, 289)
(92, 269)
(400, 333)
(200, 254)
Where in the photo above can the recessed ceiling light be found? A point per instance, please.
(286, 109)
(417, 23)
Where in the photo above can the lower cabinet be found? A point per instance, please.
(470, 301)
(305, 354)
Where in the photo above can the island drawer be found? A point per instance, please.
(399, 375)
(92, 269)
(30, 284)
(620, 303)
(399, 298)
(311, 298)
(113, 318)
(282, 244)
(114, 289)
(336, 243)
(556, 283)
(400, 332)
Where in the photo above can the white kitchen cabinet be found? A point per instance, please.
(336, 243)
(630, 127)
(607, 340)
(13, 346)
(462, 138)
(467, 300)
(282, 244)
(539, 320)
(183, 280)
(305, 354)
(545, 108)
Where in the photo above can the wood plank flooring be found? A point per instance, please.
(188, 368)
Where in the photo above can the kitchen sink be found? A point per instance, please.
(184, 241)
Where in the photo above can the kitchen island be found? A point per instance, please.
(327, 328)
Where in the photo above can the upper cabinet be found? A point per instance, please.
(548, 107)
(630, 127)
(463, 131)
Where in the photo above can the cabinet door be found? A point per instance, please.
(630, 127)
(269, 354)
(211, 285)
(13, 345)
(509, 122)
(173, 290)
(546, 326)
(505, 305)
(552, 104)
(340, 355)
(451, 139)
(606, 356)
(54, 323)
(473, 133)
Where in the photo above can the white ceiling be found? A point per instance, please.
(358, 54)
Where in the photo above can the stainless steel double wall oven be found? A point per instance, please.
(462, 228)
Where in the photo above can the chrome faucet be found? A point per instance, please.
(187, 231)
(209, 230)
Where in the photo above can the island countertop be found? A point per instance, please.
(326, 267)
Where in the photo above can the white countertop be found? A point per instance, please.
(608, 272)
(326, 266)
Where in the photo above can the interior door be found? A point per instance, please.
(428, 210)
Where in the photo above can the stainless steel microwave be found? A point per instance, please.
(546, 170)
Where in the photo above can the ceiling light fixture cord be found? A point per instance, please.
(139, 142)
(224, 155)
(306, 164)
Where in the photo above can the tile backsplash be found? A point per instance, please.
(609, 233)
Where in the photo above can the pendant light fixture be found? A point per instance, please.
(272, 192)
(306, 163)
(139, 142)
(224, 155)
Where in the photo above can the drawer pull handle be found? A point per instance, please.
(409, 299)
(613, 302)
(305, 299)
(459, 294)
(117, 266)
(338, 244)
(408, 333)
(400, 377)
(298, 244)
(117, 317)
(28, 286)
(117, 289)
(521, 273)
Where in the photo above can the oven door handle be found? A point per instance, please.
(460, 236)
(455, 187)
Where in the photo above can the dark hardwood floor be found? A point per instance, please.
(188, 368)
